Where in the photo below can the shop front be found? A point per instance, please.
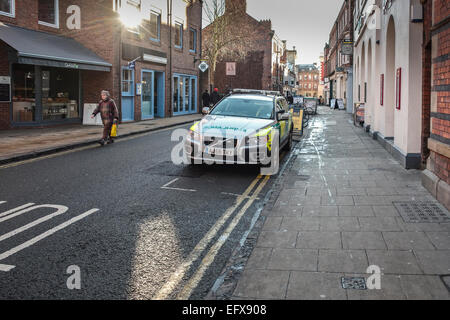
(42, 95)
(46, 76)
(184, 94)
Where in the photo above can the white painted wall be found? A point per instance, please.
(408, 56)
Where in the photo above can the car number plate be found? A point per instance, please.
(219, 151)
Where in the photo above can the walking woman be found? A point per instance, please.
(109, 113)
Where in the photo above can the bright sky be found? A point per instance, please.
(305, 24)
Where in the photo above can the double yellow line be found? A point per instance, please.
(171, 285)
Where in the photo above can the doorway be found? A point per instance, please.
(152, 96)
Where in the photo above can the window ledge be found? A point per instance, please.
(46, 24)
(6, 14)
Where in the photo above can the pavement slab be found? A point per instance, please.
(335, 217)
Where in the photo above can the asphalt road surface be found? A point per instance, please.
(122, 221)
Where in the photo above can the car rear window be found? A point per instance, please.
(240, 107)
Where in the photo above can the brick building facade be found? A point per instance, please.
(436, 99)
(166, 73)
(308, 78)
(258, 58)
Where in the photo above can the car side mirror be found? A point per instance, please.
(280, 114)
(205, 110)
(283, 116)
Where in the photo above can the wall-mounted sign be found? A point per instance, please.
(347, 48)
(231, 69)
(203, 66)
(154, 58)
(138, 89)
(5, 89)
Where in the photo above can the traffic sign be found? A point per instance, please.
(203, 66)
(231, 69)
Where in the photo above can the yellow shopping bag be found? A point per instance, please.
(114, 130)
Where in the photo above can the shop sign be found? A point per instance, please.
(71, 65)
(203, 66)
(347, 48)
(5, 89)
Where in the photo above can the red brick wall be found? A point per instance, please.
(440, 33)
(4, 71)
(100, 32)
(258, 38)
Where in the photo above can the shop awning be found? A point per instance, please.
(40, 48)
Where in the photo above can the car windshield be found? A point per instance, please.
(244, 107)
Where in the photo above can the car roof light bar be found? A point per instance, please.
(254, 91)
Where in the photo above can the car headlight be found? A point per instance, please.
(262, 137)
(192, 131)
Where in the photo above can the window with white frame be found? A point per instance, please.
(155, 25)
(178, 35)
(192, 40)
(7, 8)
(48, 13)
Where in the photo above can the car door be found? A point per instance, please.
(281, 124)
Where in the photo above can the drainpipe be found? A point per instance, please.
(169, 19)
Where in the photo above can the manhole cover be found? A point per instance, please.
(422, 211)
(354, 283)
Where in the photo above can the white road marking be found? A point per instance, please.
(15, 209)
(166, 186)
(212, 253)
(44, 235)
(6, 268)
(60, 210)
(2, 202)
(179, 274)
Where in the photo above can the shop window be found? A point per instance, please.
(187, 93)
(48, 13)
(155, 26)
(176, 94)
(60, 94)
(193, 94)
(24, 103)
(178, 35)
(127, 82)
(192, 40)
(7, 8)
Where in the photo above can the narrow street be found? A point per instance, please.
(151, 216)
(222, 158)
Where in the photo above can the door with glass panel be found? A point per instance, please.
(147, 99)
(127, 94)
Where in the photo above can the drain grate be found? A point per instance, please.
(354, 283)
(422, 211)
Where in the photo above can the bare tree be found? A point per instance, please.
(221, 37)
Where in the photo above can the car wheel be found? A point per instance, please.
(288, 146)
